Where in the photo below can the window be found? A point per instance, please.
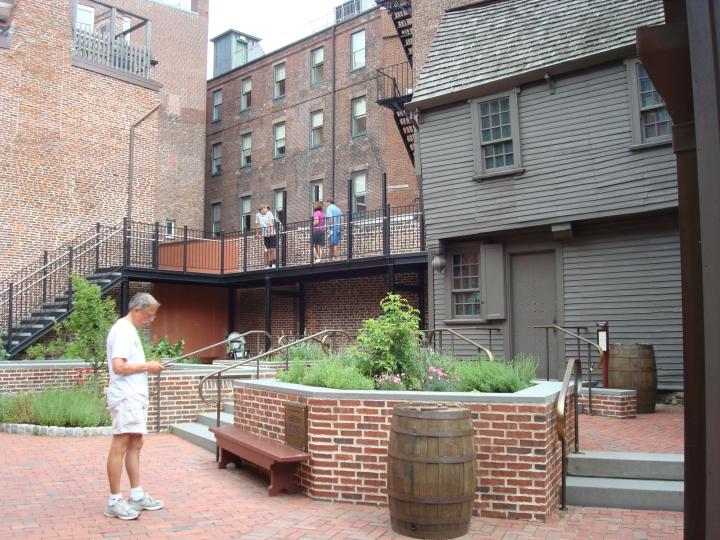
(245, 214)
(246, 150)
(217, 106)
(279, 140)
(357, 46)
(359, 116)
(215, 218)
(279, 87)
(466, 285)
(317, 60)
(496, 135)
(85, 18)
(245, 94)
(279, 196)
(316, 192)
(316, 129)
(650, 120)
(169, 228)
(359, 203)
(240, 55)
(216, 167)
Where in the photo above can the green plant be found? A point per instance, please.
(390, 341)
(3, 352)
(75, 407)
(294, 373)
(5, 407)
(440, 380)
(483, 376)
(389, 382)
(165, 349)
(21, 408)
(332, 374)
(41, 351)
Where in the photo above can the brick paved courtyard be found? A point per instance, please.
(56, 488)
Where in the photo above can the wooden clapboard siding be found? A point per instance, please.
(630, 278)
(575, 152)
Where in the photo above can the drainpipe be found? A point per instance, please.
(131, 161)
(332, 151)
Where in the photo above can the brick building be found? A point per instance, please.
(69, 102)
(302, 123)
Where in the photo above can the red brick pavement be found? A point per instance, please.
(661, 432)
(56, 488)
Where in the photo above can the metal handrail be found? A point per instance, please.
(573, 366)
(257, 358)
(431, 334)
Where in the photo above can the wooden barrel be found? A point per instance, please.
(633, 367)
(431, 473)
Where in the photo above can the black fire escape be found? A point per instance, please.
(395, 83)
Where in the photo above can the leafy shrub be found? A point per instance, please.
(483, 376)
(439, 380)
(389, 382)
(76, 407)
(41, 351)
(3, 352)
(164, 349)
(390, 341)
(306, 352)
(327, 373)
(294, 374)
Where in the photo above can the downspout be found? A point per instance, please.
(131, 161)
(332, 152)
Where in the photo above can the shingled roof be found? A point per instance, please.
(498, 40)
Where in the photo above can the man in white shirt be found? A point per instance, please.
(127, 397)
(265, 225)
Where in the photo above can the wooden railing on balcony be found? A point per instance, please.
(116, 54)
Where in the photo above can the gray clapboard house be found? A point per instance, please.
(548, 179)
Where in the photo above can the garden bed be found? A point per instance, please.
(518, 452)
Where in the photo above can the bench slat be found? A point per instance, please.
(275, 451)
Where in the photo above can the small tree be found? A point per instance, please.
(390, 341)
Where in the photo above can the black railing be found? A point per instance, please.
(395, 83)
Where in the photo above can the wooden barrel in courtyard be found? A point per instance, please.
(633, 367)
(431, 471)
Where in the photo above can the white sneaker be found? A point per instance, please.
(146, 503)
(121, 510)
(272, 266)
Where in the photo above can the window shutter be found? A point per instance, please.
(492, 280)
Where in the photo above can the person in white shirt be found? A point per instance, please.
(127, 399)
(265, 225)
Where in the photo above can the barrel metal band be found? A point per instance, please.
(442, 434)
(424, 520)
(434, 459)
(407, 497)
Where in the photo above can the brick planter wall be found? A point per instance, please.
(613, 402)
(179, 400)
(518, 453)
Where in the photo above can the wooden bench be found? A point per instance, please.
(281, 460)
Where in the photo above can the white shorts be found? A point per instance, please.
(129, 416)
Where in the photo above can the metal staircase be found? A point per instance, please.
(401, 13)
(36, 297)
(394, 90)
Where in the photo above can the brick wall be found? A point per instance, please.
(518, 454)
(610, 402)
(381, 150)
(65, 136)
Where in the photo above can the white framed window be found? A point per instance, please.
(279, 140)
(317, 65)
(217, 99)
(85, 18)
(496, 135)
(650, 120)
(245, 94)
(316, 192)
(279, 80)
(358, 107)
(475, 282)
(279, 196)
(359, 201)
(357, 50)
(215, 218)
(169, 229)
(246, 149)
(216, 155)
(245, 213)
(316, 129)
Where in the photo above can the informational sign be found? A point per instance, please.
(296, 425)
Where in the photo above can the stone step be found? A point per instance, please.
(210, 419)
(627, 465)
(198, 434)
(625, 493)
(229, 407)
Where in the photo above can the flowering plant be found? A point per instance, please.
(439, 380)
(388, 381)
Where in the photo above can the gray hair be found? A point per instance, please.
(143, 300)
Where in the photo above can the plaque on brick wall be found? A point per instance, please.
(296, 425)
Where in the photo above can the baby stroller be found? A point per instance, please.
(236, 346)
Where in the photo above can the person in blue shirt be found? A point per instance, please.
(333, 221)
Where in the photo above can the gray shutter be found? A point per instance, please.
(492, 280)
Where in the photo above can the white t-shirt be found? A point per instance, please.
(266, 222)
(123, 341)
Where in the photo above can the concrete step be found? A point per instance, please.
(625, 493)
(229, 407)
(210, 419)
(627, 465)
(198, 434)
